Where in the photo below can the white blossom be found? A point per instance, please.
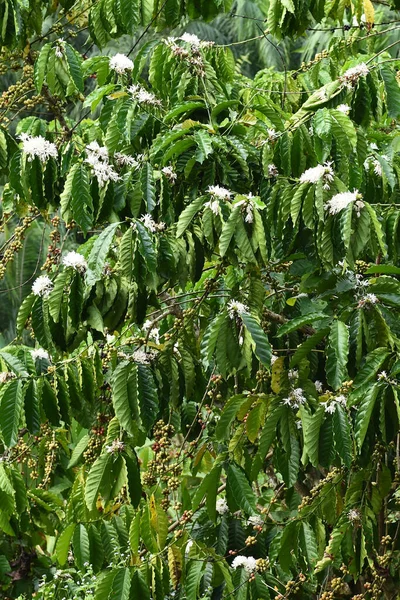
(6, 376)
(274, 358)
(236, 308)
(293, 374)
(382, 376)
(354, 515)
(169, 173)
(121, 63)
(351, 76)
(110, 338)
(213, 205)
(141, 357)
(221, 506)
(104, 172)
(188, 547)
(142, 96)
(153, 332)
(248, 562)
(219, 192)
(315, 174)
(329, 408)
(42, 286)
(368, 299)
(272, 170)
(76, 261)
(344, 108)
(115, 447)
(295, 399)
(40, 353)
(59, 50)
(193, 40)
(150, 223)
(37, 147)
(255, 520)
(96, 152)
(340, 201)
(272, 134)
(123, 160)
(341, 400)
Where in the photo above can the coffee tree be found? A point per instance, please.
(200, 354)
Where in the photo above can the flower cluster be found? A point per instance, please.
(97, 158)
(115, 447)
(37, 147)
(40, 353)
(216, 191)
(344, 108)
(142, 96)
(121, 63)
(354, 516)
(193, 40)
(6, 376)
(42, 286)
(331, 407)
(320, 172)
(213, 205)
(75, 261)
(249, 563)
(351, 76)
(221, 506)
(122, 160)
(375, 163)
(153, 332)
(236, 308)
(342, 200)
(169, 173)
(272, 170)
(141, 357)
(368, 299)
(295, 399)
(150, 223)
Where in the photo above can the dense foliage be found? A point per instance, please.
(200, 346)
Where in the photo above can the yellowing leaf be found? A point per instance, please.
(277, 370)
(369, 12)
(175, 564)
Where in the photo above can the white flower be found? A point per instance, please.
(255, 520)
(341, 400)
(42, 286)
(249, 218)
(149, 222)
(330, 408)
(373, 146)
(295, 399)
(377, 168)
(154, 334)
(169, 173)
(188, 547)
(219, 192)
(59, 51)
(115, 447)
(351, 76)
(6, 376)
(340, 201)
(274, 358)
(382, 376)
(104, 172)
(123, 160)
(76, 261)
(193, 40)
(95, 151)
(299, 424)
(354, 515)
(40, 353)
(221, 506)
(142, 96)
(272, 134)
(38, 147)
(272, 170)
(324, 172)
(213, 205)
(110, 338)
(293, 374)
(344, 108)
(121, 63)
(367, 300)
(236, 308)
(248, 562)
(141, 357)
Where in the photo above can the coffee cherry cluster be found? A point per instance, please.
(307, 500)
(14, 244)
(53, 252)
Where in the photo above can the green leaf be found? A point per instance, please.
(307, 346)
(57, 294)
(76, 201)
(63, 543)
(372, 364)
(98, 254)
(78, 451)
(311, 431)
(263, 348)
(222, 430)
(146, 247)
(239, 488)
(148, 187)
(204, 146)
(14, 363)
(377, 228)
(188, 214)
(193, 578)
(337, 354)
(99, 480)
(364, 413)
(228, 230)
(74, 62)
(120, 397)
(308, 544)
(40, 66)
(299, 322)
(148, 401)
(121, 584)
(208, 488)
(81, 546)
(392, 91)
(10, 411)
(341, 432)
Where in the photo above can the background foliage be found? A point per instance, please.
(204, 402)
